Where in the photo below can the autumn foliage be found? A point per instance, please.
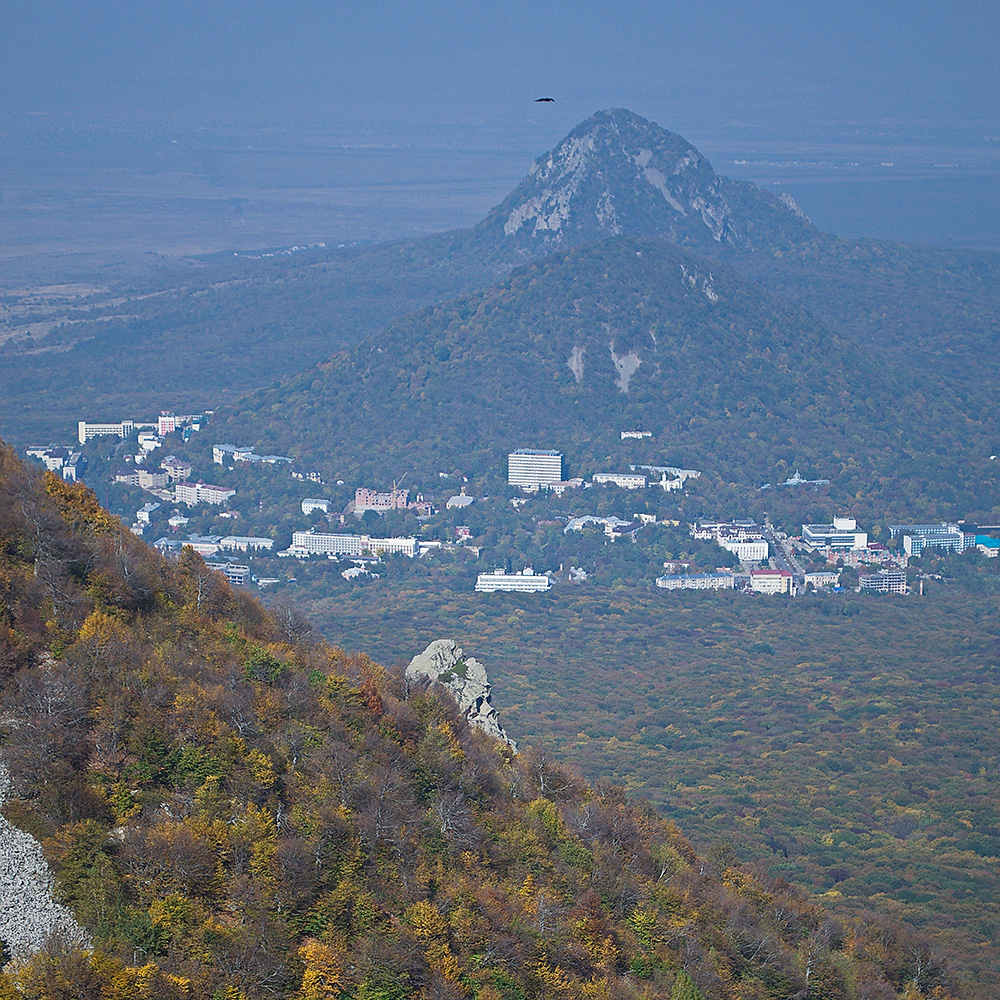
(235, 814)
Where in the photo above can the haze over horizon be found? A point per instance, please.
(186, 128)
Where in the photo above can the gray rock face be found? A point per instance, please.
(28, 915)
(465, 677)
(618, 173)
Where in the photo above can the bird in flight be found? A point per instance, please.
(545, 100)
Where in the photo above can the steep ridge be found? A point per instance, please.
(231, 812)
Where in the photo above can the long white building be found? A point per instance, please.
(244, 543)
(624, 480)
(86, 431)
(307, 543)
(696, 581)
(531, 469)
(524, 581)
(201, 492)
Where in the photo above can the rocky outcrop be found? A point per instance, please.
(28, 915)
(465, 677)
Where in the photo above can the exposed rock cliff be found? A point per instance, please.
(28, 915)
(445, 662)
(617, 173)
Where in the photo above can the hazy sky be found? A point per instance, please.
(451, 60)
(882, 117)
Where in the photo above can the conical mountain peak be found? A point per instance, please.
(618, 173)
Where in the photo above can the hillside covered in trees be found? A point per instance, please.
(631, 333)
(235, 811)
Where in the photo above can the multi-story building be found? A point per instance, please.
(917, 537)
(843, 534)
(244, 543)
(738, 530)
(885, 581)
(142, 515)
(525, 581)
(204, 545)
(696, 581)
(635, 435)
(822, 578)
(222, 453)
(177, 469)
(124, 475)
(366, 499)
(236, 573)
(313, 503)
(69, 464)
(746, 550)
(201, 492)
(306, 543)
(166, 423)
(771, 581)
(86, 431)
(151, 479)
(531, 469)
(988, 545)
(624, 480)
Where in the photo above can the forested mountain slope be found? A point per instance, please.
(233, 325)
(236, 812)
(630, 333)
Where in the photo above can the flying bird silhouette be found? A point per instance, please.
(545, 100)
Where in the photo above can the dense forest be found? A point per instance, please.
(235, 811)
(846, 743)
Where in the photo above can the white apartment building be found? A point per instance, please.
(771, 581)
(222, 453)
(525, 581)
(635, 435)
(201, 492)
(313, 503)
(697, 581)
(625, 480)
(143, 513)
(531, 469)
(842, 534)
(885, 581)
(243, 543)
(86, 431)
(306, 543)
(237, 574)
(746, 550)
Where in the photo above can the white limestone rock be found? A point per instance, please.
(465, 677)
(29, 917)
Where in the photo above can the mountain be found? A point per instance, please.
(617, 173)
(622, 334)
(234, 811)
(196, 340)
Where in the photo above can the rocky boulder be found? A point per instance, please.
(465, 677)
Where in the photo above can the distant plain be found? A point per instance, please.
(84, 198)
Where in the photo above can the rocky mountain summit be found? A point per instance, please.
(618, 173)
(465, 677)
